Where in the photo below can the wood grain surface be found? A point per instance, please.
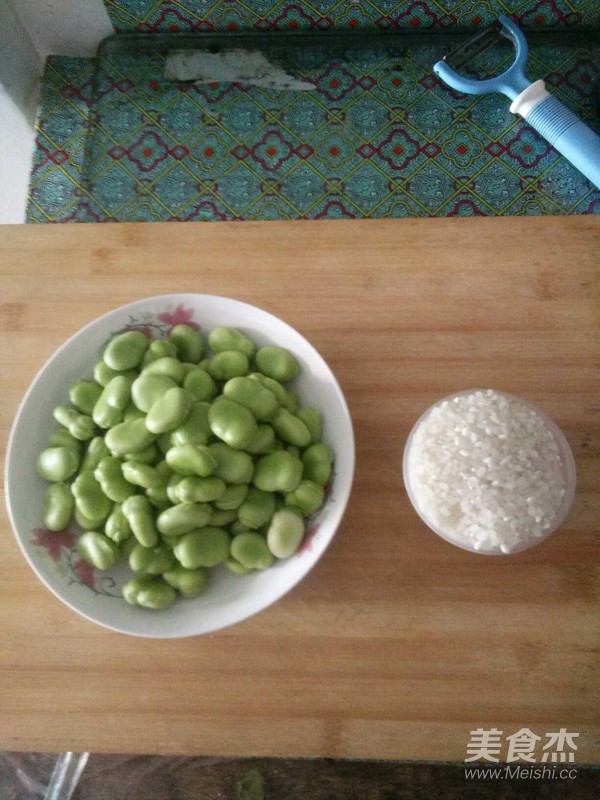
(397, 644)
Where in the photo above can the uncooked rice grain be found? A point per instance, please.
(486, 470)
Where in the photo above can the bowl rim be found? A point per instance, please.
(567, 458)
(342, 496)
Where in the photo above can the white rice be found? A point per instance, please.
(486, 470)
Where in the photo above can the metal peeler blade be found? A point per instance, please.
(477, 44)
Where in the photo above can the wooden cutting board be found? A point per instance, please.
(397, 645)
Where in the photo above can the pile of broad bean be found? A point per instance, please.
(180, 456)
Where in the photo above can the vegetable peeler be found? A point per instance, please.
(550, 118)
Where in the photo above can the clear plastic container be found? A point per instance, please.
(568, 468)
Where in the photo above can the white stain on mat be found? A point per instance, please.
(238, 65)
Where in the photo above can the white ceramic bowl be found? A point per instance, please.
(230, 598)
(567, 466)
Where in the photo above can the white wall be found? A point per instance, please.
(30, 30)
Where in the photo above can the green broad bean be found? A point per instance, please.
(204, 364)
(228, 364)
(159, 348)
(149, 591)
(140, 474)
(188, 582)
(109, 475)
(199, 490)
(57, 464)
(169, 411)
(221, 519)
(149, 455)
(183, 518)
(234, 566)
(103, 374)
(223, 339)
(168, 366)
(312, 419)
(204, 547)
(285, 533)
(171, 488)
(151, 560)
(257, 509)
(59, 506)
(308, 497)
(192, 459)
(251, 551)
(279, 471)
(89, 497)
(277, 363)
(126, 350)
(158, 494)
(140, 516)
(148, 388)
(232, 423)
(132, 412)
(87, 523)
(164, 443)
(200, 384)
(237, 527)
(109, 407)
(317, 462)
(195, 429)
(263, 440)
(84, 394)
(233, 497)
(81, 426)
(290, 429)
(129, 437)
(252, 395)
(62, 438)
(96, 450)
(98, 550)
(188, 343)
(272, 385)
(117, 526)
(232, 466)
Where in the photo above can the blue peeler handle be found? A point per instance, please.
(550, 118)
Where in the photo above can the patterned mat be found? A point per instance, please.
(378, 136)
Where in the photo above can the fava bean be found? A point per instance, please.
(252, 395)
(84, 395)
(183, 518)
(129, 437)
(89, 497)
(151, 560)
(290, 429)
(109, 475)
(195, 429)
(223, 339)
(278, 472)
(232, 466)
(317, 462)
(221, 519)
(263, 441)
(228, 364)
(308, 497)
(277, 363)
(87, 523)
(140, 474)
(159, 348)
(59, 506)
(96, 450)
(149, 455)
(169, 411)
(117, 526)
(292, 401)
(81, 426)
(168, 366)
(98, 550)
(139, 514)
(57, 464)
(234, 566)
(188, 582)
(148, 388)
(205, 547)
(257, 509)
(312, 419)
(233, 497)
(251, 551)
(150, 592)
(199, 383)
(192, 459)
(188, 343)
(272, 385)
(231, 422)
(103, 374)
(199, 490)
(285, 533)
(126, 350)
(132, 412)
(62, 438)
